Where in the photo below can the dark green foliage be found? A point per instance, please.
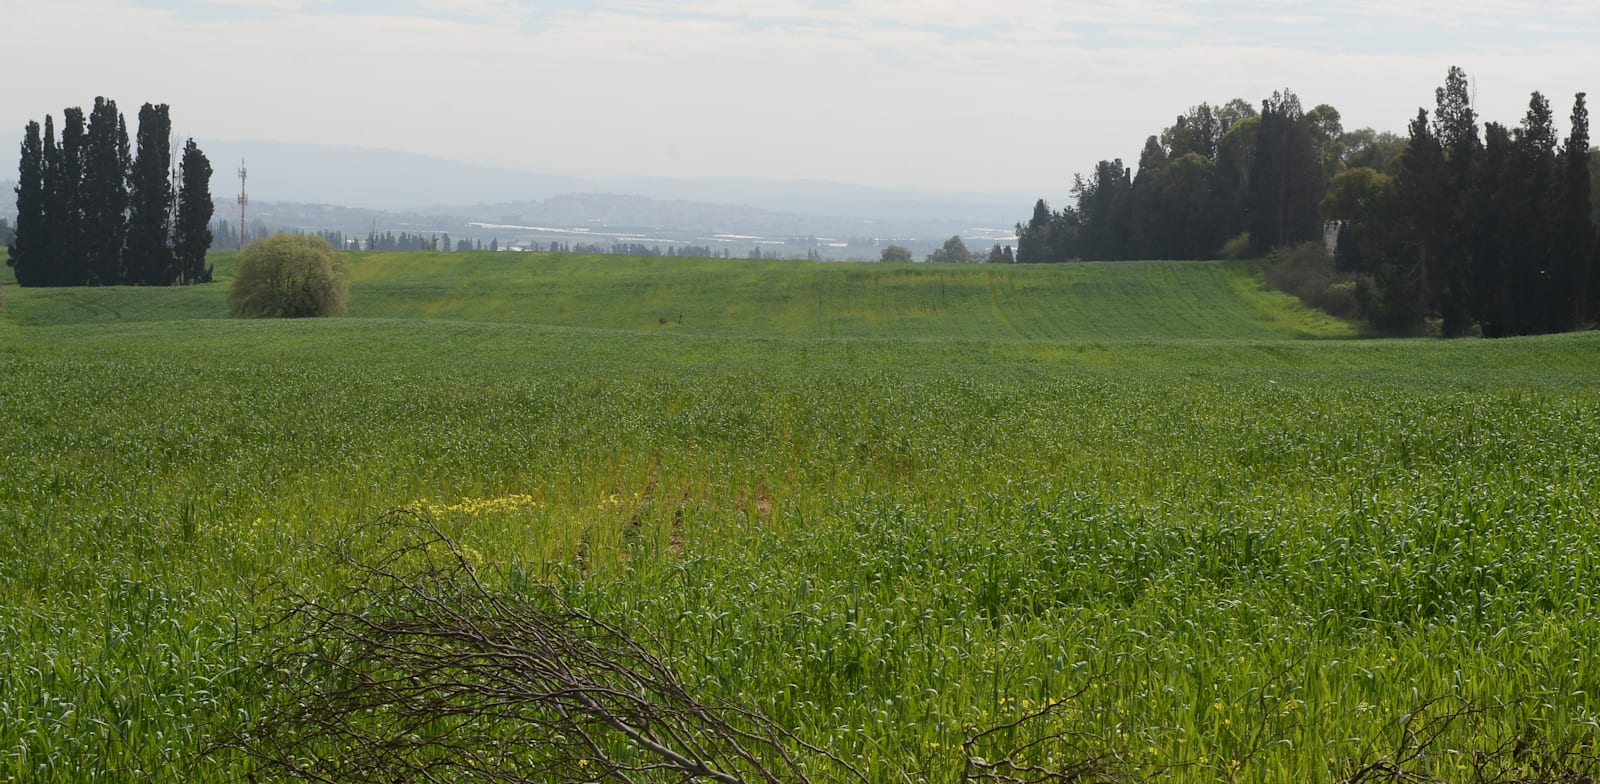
(289, 276)
(1575, 231)
(66, 203)
(32, 240)
(55, 216)
(1376, 150)
(1286, 182)
(1448, 227)
(149, 254)
(1308, 271)
(1104, 209)
(192, 232)
(105, 193)
(81, 209)
(896, 253)
(1033, 239)
(1362, 201)
(1491, 275)
(1527, 193)
(954, 251)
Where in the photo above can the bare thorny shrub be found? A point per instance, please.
(1450, 740)
(419, 671)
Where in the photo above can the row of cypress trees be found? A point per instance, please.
(93, 210)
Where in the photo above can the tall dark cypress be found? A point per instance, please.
(149, 255)
(192, 233)
(104, 194)
(54, 216)
(1455, 126)
(32, 240)
(1490, 276)
(66, 206)
(1529, 186)
(1286, 177)
(1576, 230)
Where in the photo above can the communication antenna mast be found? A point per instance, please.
(244, 199)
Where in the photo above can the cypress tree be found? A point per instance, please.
(149, 259)
(105, 194)
(1455, 127)
(1490, 279)
(57, 227)
(1033, 239)
(1285, 179)
(193, 227)
(32, 236)
(66, 205)
(1577, 230)
(1526, 230)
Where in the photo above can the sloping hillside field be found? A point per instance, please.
(889, 507)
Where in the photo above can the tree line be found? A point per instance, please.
(1489, 229)
(95, 210)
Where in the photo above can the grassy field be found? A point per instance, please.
(766, 298)
(880, 504)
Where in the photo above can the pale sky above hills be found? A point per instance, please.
(1001, 96)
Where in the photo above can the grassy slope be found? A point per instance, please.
(1334, 529)
(1056, 302)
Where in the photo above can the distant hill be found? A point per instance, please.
(390, 180)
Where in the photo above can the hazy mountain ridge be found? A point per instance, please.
(409, 182)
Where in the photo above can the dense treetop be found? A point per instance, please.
(1478, 229)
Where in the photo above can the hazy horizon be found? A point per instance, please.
(1008, 97)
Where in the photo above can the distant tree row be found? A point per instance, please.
(1491, 231)
(402, 241)
(93, 210)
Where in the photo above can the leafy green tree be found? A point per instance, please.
(192, 230)
(954, 251)
(289, 276)
(1376, 150)
(896, 253)
(1197, 132)
(1363, 202)
(1327, 137)
(32, 238)
(150, 260)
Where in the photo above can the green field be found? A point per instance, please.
(881, 504)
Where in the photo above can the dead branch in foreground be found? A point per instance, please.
(1420, 751)
(418, 672)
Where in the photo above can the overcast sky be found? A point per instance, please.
(1001, 96)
